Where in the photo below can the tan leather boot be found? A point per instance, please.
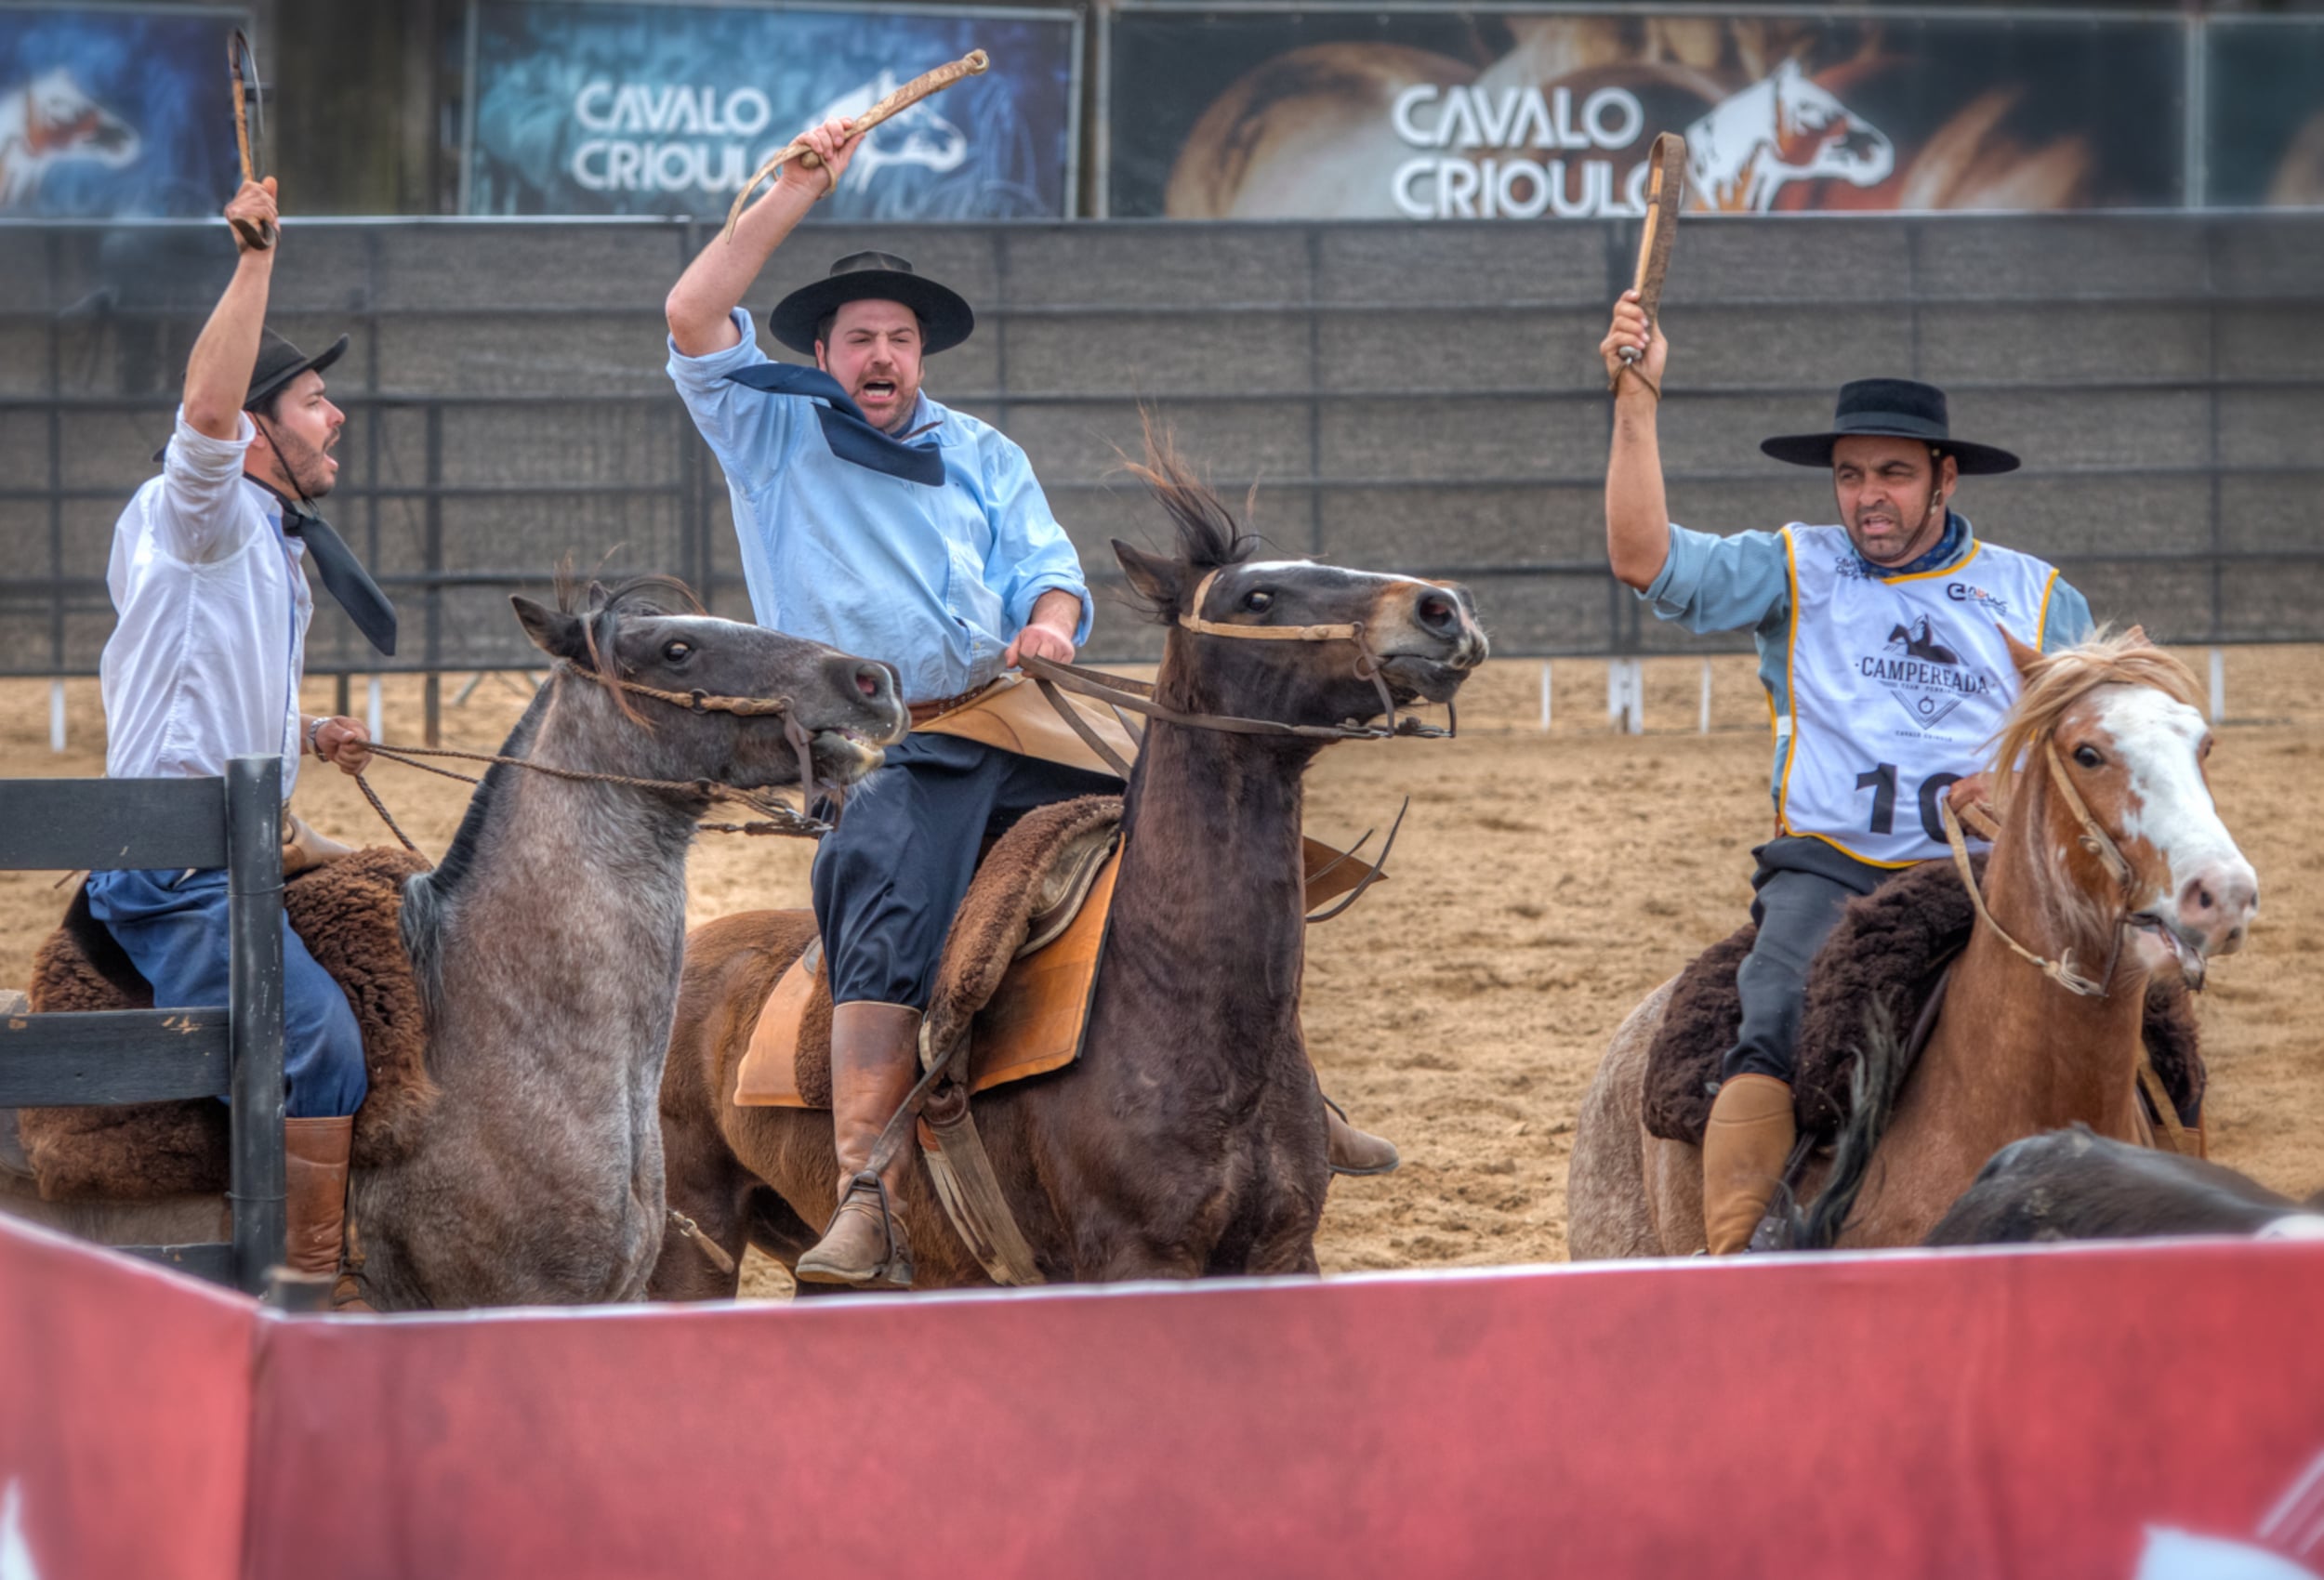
(314, 1200)
(874, 1062)
(1353, 1150)
(304, 850)
(1745, 1147)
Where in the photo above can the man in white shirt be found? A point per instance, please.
(207, 577)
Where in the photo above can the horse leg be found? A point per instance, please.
(1610, 1210)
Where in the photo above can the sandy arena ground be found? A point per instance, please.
(1542, 885)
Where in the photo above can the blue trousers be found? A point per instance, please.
(889, 879)
(173, 928)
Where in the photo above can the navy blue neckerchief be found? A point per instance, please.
(1956, 533)
(850, 433)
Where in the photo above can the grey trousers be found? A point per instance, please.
(1802, 885)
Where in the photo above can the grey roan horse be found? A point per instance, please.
(548, 945)
(1189, 1140)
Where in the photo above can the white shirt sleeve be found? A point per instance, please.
(197, 515)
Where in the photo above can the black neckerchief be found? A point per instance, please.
(341, 573)
(852, 435)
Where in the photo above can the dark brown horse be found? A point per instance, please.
(1189, 1139)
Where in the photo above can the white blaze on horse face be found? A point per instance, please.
(2211, 892)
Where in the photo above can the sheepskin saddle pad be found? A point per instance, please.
(347, 912)
(1018, 967)
(1889, 951)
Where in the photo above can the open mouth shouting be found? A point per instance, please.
(880, 399)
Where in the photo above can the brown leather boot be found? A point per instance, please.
(1353, 1150)
(314, 1200)
(1745, 1147)
(875, 1059)
(304, 850)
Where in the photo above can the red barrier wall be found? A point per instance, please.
(1970, 1414)
(124, 1416)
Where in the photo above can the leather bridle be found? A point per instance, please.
(1137, 696)
(2096, 840)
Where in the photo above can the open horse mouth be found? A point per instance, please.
(844, 756)
(1412, 677)
(2186, 951)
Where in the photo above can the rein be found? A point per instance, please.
(775, 817)
(1137, 696)
(2095, 839)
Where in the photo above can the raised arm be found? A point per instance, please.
(701, 306)
(217, 375)
(1637, 514)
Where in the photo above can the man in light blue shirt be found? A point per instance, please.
(1881, 646)
(877, 520)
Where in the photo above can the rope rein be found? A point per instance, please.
(2094, 839)
(776, 818)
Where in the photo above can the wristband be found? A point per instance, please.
(314, 736)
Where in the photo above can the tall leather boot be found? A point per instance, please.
(1353, 1150)
(314, 1200)
(1745, 1147)
(875, 1050)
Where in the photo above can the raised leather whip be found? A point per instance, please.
(911, 93)
(1666, 188)
(241, 64)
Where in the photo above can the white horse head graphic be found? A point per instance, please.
(916, 135)
(1781, 129)
(48, 121)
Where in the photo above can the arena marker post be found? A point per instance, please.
(1703, 727)
(1626, 695)
(2218, 685)
(1545, 696)
(56, 715)
(371, 706)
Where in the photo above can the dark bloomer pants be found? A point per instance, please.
(889, 879)
(1802, 885)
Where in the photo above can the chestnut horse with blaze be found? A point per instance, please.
(2111, 863)
(1188, 1138)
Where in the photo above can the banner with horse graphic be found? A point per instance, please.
(1459, 115)
(114, 112)
(652, 109)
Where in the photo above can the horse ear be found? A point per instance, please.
(553, 631)
(2136, 638)
(1153, 577)
(2024, 657)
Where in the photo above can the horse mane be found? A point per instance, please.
(1208, 535)
(2055, 681)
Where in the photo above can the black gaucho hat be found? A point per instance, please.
(945, 320)
(1890, 408)
(280, 361)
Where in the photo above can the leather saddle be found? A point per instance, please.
(1019, 966)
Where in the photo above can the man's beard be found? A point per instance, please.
(309, 476)
(1929, 513)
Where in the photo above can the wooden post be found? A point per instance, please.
(254, 996)
(2218, 685)
(371, 706)
(1545, 696)
(56, 715)
(1703, 727)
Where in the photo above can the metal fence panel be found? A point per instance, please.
(1425, 399)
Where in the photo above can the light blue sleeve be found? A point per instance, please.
(1720, 584)
(2067, 621)
(1031, 553)
(749, 431)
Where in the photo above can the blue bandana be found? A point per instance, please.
(1956, 533)
(852, 435)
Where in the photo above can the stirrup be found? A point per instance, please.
(896, 1267)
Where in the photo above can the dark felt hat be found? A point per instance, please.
(945, 320)
(280, 361)
(1890, 408)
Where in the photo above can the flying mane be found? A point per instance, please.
(2056, 681)
(1209, 537)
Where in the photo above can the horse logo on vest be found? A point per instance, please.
(50, 121)
(1781, 129)
(1926, 678)
(914, 136)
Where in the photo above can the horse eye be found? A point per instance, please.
(678, 653)
(2088, 757)
(1258, 602)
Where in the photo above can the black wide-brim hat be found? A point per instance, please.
(1890, 408)
(945, 320)
(280, 361)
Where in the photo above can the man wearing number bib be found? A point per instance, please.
(1879, 645)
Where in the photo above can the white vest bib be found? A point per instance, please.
(1898, 686)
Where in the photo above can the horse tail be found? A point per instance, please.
(1872, 1087)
